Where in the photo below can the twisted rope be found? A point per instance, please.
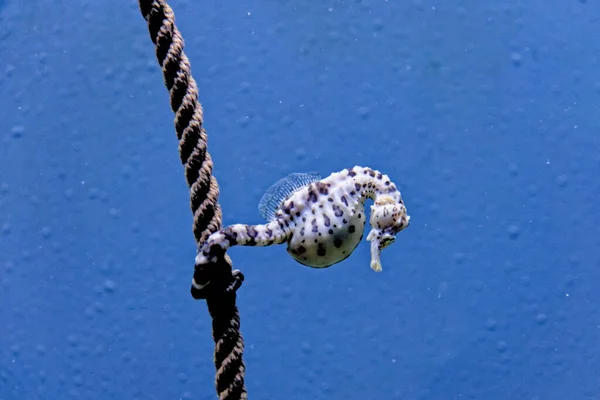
(219, 281)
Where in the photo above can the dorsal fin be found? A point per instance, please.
(282, 189)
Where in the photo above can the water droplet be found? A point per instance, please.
(109, 286)
(41, 350)
(378, 26)
(364, 113)
(532, 190)
(73, 340)
(245, 87)
(45, 232)
(244, 121)
(93, 193)
(501, 346)
(300, 153)
(513, 232)
(541, 318)
(459, 257)
(513, 170)
(306, 348)
(491, 325)
(516, 59)
(5, 229)
(17, 131)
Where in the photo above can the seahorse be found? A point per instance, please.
(321, 220)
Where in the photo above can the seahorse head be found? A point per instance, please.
(388, 217)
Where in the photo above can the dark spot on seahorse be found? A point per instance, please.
(297, 213)
(392, 189)
(270, 242)
(337, 242)
(302, 231)
(364, 185)
(321, 250)
(301, 249)
(352, 193)
(387, 183)
(269, 232)
(357, 186)
(252, 233)
(326, 220)
(312, 196)
(287, 208)
(372, 173)
(315, 229)
(313, 222)
(322, 188)
(316, 240)
(337, 210)
(344, 221)
(345, 201)
(329, 199)
(359, 215)
(351, 228)
(351, 172)
(215, 249)
(379, 176)
(293, 251)
(303, 219)
(331, 231)
(229, 234)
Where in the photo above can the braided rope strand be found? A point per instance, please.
(204, 193)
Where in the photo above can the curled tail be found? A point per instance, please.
(275, 232)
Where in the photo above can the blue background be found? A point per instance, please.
(484, 113)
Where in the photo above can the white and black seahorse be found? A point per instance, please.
(321, 220)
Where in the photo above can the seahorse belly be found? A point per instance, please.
(329, 227)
